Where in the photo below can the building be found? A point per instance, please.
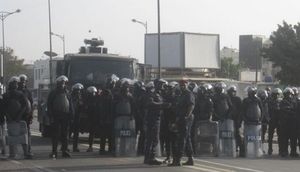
(249, 53)
(230, 53)
(41, 71)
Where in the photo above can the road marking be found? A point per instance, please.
(36, 133)
(201, 169)
(230, 166)
(16, 162)
(214, 168)
(43, 168)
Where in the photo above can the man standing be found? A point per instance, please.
(155, 106)
(185, 120)
(15, 105)
(28, 115)
(60, 112)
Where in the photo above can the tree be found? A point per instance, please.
(13, 66)
(284, 52)
(228, 69)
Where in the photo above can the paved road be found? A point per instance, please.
(86, 161)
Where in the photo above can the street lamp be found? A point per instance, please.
(63, 39)
(3, 16)
(142, 23)
(145, 25)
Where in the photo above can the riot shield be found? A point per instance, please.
(125, 142)
(17, 133)
(206, 138)
(252, 141)
(227, 143)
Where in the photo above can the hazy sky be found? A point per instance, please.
(28, 32)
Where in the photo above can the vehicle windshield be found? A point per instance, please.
(96, 71)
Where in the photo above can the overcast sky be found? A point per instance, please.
(28, 32)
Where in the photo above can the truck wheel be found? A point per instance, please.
(45, 130)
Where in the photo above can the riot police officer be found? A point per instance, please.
(237, 117)
(250, 114)
(274, 113)
(169, 127)
(185, 118)
(61, 113)
(28, 115)
(221, 103)
(289, 117)
(209, 88)
(14, 106)
(203, 108)
(77, 101)
(192, 85)
(155, 106)
(92, 105)
(139, 90)
(263, 95)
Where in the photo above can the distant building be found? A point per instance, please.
(29, 73)
(41, 71)
(230, 53)
(249, 53)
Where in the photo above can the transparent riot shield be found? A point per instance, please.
(17, 133)
(227, 145)
(252, 141)
(125, 142)
(206, 138)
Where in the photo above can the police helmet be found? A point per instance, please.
(14, 79)
(250, 90)
(231, 88)
(1, 86)
(62, 78)
(172, 84)
(149, 85)
(201, 89)
(125, 82)
(92, 89)
(192, 85)
(112, 79)
(138, 84)
(295, 90)
(77, 86)
(288, 91)
(268, 89)
(23, 77)
(276, 91)
(262, 94)
(219, 87)
(209, 87)
(159, 81)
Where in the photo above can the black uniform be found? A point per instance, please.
(28, 115)
(274, 123)
(106, 121)
(222, 106)
(153, 118)
(202, 112)
(169, 133)
(289, 122)
(61, 113)
(14, 106)
(237, 118)
(75, 127)
(92, 104)
(139, 122)
(184, 125)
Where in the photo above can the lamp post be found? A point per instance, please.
(3, 16)
(142, 23)
(158, 33)
(145, 25)
(50, 40)
(63, 39)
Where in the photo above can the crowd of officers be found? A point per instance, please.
(164, 113)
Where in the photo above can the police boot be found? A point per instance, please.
(66, 154)
(190, 161)
(175, 162)
(53, 155)
(146, 160)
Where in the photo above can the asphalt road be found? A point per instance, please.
(92, 161)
